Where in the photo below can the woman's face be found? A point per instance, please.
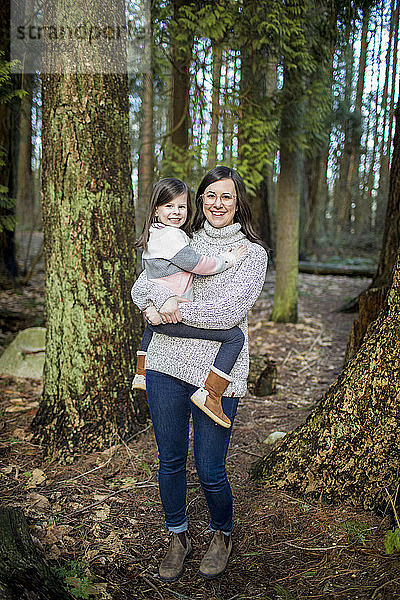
(219, 203)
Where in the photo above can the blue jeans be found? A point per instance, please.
(232, 340)
(170, 410)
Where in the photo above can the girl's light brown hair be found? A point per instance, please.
(163, 192)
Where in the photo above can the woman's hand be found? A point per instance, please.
(152, 315)
(169, 312)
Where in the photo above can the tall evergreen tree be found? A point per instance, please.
(89, 233)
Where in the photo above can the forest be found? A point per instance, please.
(302, 99)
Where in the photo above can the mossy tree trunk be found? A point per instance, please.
(288, 203)
(89, 233)
(24, 574)
(347, 450)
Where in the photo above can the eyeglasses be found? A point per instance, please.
(226, 198)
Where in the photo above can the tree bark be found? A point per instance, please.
(146, 156)
(342, 188)
(215, 107)
(288, 206)
(25, 199)
(8, 265)
(181, 56)
(361, 211)
(254, 146)
(23, 571)
(89, 234)
(391, 233)
(384, 164)
(347, 450)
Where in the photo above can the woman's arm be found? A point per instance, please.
(228, 310)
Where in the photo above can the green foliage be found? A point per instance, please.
(179, 163)
(392, 541)
(392, 538)
(356, 531)
(75, 578)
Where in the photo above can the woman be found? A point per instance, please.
(175, 367)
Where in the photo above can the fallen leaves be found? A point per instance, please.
(37, 478)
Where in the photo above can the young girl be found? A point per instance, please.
(171, 262)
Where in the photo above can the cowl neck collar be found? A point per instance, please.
(231, 233)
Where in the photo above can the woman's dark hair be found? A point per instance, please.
(163, 192)
(243, 212)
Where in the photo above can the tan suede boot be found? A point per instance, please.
(139, 381)
(216, 558)
(208, 398)
(180, 547)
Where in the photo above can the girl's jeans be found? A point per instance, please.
(170, 409)
(232, 340)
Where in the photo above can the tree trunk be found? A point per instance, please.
(342, 187)
(25, 200)
(288, 206)
(215, 107)
(146, 156)
(8, 265)
(347, 450)
(361, 211)
(385, 145)
(315, 182)
(23, 572)
(181, 57)
(89, 234)
(391, 233)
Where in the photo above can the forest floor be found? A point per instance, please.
(99, 521)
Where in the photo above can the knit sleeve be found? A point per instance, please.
(145, 292)
(238, 297)
(189, 260)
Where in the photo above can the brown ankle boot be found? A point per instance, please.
(216, 558)
(208, 398)
(139, 381)
(171, 567)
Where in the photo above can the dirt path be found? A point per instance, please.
(100, 519)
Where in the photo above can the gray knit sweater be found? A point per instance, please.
(221, 302)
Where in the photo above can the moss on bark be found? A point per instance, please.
(347, 450)
(89, 231)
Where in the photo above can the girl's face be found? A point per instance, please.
(219, 203)
(174, 213)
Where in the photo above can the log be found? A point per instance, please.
(262, 375)
(335, 269)
(24, 574)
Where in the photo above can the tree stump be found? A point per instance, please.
(262, 375)
(24, 574)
